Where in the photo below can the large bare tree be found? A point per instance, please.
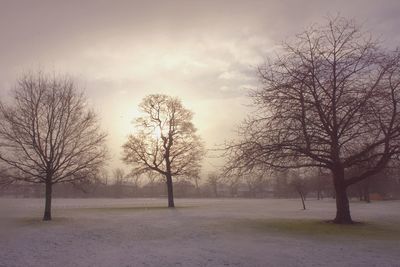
(330, 99)
(48, 135)
(165, 141)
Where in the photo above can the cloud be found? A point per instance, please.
(205, 52)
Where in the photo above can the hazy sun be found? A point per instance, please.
(156, 133)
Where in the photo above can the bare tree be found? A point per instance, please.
(320, 182)
(119, 176)
(194, 175)
(119, 180)
(134, 180)
(196, 178)
(232, 181)
(329, 100)
(165, 140)
(300, 186)
(256, 182)
(47, 134)
(103, 176)
(213, 180)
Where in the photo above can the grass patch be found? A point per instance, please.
(317, 228)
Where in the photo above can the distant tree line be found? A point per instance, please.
(314, 184)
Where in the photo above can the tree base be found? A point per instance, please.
(47, 217)
(352, 223)
(343, 221)
(343, 218)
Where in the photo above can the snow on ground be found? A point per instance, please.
(200, 232)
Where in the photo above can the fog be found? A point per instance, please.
(199, 133)
(205, 52)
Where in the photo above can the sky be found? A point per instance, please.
(204, 52)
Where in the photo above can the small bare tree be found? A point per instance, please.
(256, 181)
(47, 134)
(329, 100)
(119, 176)
(232, 181)
(165, 140)
(196, 178)
(120, 179)
(213, 180)
(299, 184)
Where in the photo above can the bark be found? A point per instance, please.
(170, 190)
(47, 208)
(342, 201)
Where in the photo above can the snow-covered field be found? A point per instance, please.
(200, 232)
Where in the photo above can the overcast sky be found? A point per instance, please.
(204, 52)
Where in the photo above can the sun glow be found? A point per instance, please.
(156, 133)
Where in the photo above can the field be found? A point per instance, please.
(199, 232)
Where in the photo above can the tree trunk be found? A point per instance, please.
(47, 208)
(342, 201)
(302, 199)
(170, 191)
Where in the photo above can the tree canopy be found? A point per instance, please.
(328, 99)
(48, 135)
(164, 141)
